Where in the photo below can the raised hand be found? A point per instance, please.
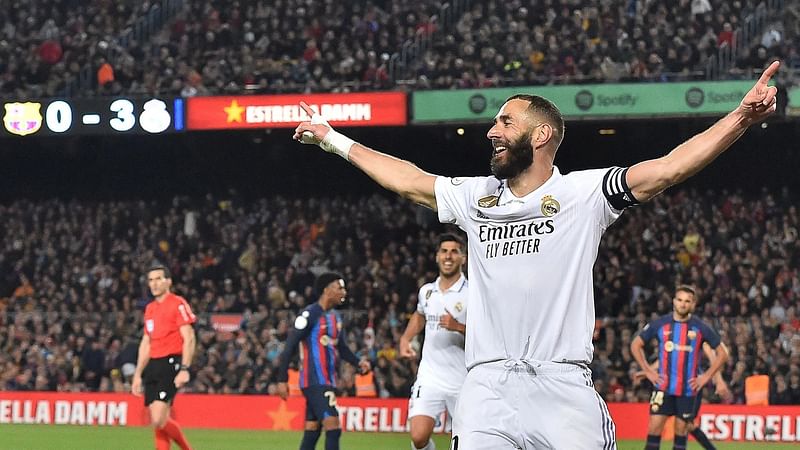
(318, 131)
(311, 131)
(760, 101)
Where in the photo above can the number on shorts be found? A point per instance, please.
(331, 398)
(657, 398)
(454, 443)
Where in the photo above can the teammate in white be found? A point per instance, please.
(533, 235)
(441, 312)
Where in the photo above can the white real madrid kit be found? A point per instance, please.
(531, 319)
(442, 369)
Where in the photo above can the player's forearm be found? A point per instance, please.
(286, 357)
(649, 178)
(143, 358)
(720, 359)
(637, 351)
(187, 353)
(345, 353)
(712, 356)
(415, 325)
(699, 151)
(395, 174)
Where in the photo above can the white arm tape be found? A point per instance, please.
(335, 142)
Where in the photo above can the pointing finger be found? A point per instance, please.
(307, 108)
(769, 72)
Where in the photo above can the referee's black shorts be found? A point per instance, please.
(158, 378)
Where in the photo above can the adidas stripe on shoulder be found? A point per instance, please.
(616, 189)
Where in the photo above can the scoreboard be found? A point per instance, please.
(99, 116)
(28, 118)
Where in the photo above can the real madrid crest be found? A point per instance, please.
(459, 306)
(488, 201)
(550, 206)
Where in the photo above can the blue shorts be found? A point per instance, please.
(320, 403)
(685, 408)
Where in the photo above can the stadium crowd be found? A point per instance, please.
(229, 46)
(73, 286)
(569, 42)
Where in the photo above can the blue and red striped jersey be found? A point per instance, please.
(680, 350)
(318, 334)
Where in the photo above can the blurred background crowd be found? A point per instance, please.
(72, 287)
(75, 289)
(176, 47)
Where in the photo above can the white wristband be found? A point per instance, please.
(335, 142)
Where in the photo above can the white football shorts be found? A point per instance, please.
(514, 404)
(429, 401)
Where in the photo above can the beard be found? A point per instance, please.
(519, 157)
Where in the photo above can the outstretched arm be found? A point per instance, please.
(392, 173)
(649, 178)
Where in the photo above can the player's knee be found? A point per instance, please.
(158, 418)
(158, 422)
(419, 437)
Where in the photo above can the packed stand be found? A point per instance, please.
(295, 46)
(44, 44)
(74, 287)
(530, 43)
(230, 46)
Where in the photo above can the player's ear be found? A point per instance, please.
(542, 134)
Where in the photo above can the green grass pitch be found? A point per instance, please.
(67, 437)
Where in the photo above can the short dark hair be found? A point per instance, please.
(450, 237)
(324, 280)
(547, 110)
(686, 288)
(162, 267)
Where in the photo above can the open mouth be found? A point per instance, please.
(499, 149)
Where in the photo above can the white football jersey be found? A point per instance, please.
(531, 261)
(443, 364)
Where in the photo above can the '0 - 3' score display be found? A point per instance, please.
(101, 116)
